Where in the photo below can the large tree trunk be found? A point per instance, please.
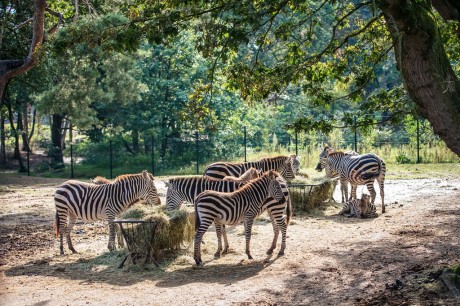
(427, 73)
(12, 68)
(17, 152)
(56, 141)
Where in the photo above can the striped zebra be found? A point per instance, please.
(91, 202)
(287, 166)
(355, 169)
(360, 208)
(330, 173)
(245, 204)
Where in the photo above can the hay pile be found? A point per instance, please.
(306, 195)
(172, 230)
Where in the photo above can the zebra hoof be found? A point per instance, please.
(280, 253)
(250, 257)
(217, 255)
(198, 262)
(270, 252)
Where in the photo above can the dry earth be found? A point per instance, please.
(395, 259)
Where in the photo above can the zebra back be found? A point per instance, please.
(96, 202)
(287, 166)
(231, 206)
(185, 189)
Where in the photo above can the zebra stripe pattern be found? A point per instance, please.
(360, 208)
(245, 205)
(287, 166)
(91, 202)
(332, 174)
(185, 189)
(357, 170)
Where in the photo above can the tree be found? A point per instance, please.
(323, 43)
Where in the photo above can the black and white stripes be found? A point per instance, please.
(239, 206)
(89, 202)
(355, 169)
(287, 166)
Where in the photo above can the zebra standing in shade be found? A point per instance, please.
(332, 174)
(287, 166)
(91, 202)
(360, 208)
(245, 205)
(355, 169)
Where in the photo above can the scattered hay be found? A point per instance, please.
(308, 195)
(162, 230)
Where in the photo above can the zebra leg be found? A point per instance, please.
(219, 239)
(62, 228)
(224, 233)
(276, 232)
(282, 224)
(381, 181)
(70, 224)
(197, 243)
(370, 188)
(353, 191)
(111, 244)
(344, 189)
(248, 228)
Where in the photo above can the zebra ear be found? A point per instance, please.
(145, 175)
(168, 184)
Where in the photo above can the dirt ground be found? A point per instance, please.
(395, 259)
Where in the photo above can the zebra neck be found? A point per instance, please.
(126, 192)
(255, 190)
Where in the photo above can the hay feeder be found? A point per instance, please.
(139, 235)
(305, 196)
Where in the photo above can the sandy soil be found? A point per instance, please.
(395, 259)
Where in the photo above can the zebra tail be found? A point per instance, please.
(288, 211)
(56, 225)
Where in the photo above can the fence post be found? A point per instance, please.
(71, 161)
(196, 148)
(111, 158)
(418, 141)
(296, 142)
(244, 141)
(153, 156)
(356, 136)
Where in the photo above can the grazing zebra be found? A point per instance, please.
(332, 174)
(287, 166)
(91, 202)
(251, 173)
(360, 208)
(355, 169)
(245, 204)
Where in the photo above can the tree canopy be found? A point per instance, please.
(384, 59)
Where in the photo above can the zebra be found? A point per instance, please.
(330, 173)
(356, 169)
(245, 204)
(360, 208)
(287, 166)
(91, 202)
(251, 173)
(185, 189)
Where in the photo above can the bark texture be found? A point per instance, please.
(427, 73)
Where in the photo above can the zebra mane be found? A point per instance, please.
(123, 177)
(264, 175)
(341, 153)
(279, 157)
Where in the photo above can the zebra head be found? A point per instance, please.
(323, 158)
(148, 191)
(289, 168)
(274, 189)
